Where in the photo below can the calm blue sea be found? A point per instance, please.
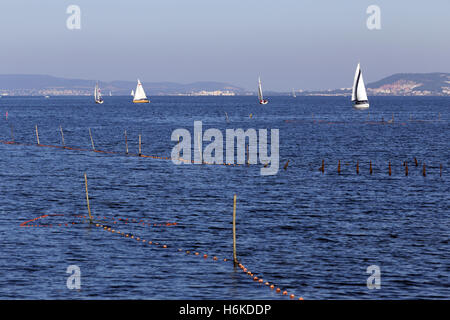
(311, 234)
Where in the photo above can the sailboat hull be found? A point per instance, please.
(99, 101)
(141, 101)
(263, 101)
(361, 105)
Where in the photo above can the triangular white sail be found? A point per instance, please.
(260, 94)
(95, 91)
(359, 89)
(139, 94)
(132, 92)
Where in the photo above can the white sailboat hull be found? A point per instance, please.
(263, 101)
(361, 105)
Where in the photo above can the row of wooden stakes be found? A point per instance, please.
(405, 165)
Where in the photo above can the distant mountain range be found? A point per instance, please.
(401, 84)
(38, 85)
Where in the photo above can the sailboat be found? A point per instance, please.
(139, 94)
(293, 94)
(260, 94)
(359, 95)
(97, 95)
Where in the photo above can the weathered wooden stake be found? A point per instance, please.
(424, 173)
(339, 166)
(62, 136)
(87, 198)
(37, 135)
(370, 168)
(406, 168)
(92, 140)
(248, 157)
(140, 153)
(200, 147)
(323, 166)
(415, 162)
(286, 165)
(126, 142)
(234, 231)
(357, 167)
(390, 171)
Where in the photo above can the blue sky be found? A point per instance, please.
(302, 44)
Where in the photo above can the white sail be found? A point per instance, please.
(260, 94)
(132, 92)
(139, 93)
(359, 89)
(97, 93)
(293, 93)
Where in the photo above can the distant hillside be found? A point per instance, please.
(412, 84)
(49, 85)
(401, 84)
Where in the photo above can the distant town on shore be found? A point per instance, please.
(401, 84)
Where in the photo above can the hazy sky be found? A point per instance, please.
(302, 44)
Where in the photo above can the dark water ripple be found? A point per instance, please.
(312, 234)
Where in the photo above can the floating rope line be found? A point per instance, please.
(373, 122)
(116, 153)
(196, 253)
(84, 219)
(100, 223)
(370, 168)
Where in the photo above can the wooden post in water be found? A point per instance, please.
(87, 198)
(370, 168)
(390, 171)
(415, 162)
(424, 173)
(286, 165)
(339, 166)
(126, 142)
(200, 147)
(92, 140)
(37, 135)
(357, 167)
(323, 166)
(140, 146)
(234, 231)
(406, 168)
(62, 136)
(248, 157)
